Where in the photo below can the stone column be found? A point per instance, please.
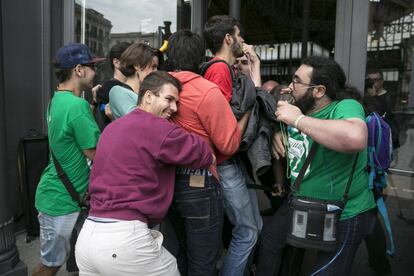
(351, 33)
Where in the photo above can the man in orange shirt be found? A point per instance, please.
(197, 210)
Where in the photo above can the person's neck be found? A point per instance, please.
(71, 87)
(226, 55)
(144, 107)
(381, 91)
(319, 105)
(119, 76)
(134, 83)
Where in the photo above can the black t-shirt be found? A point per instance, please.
(102, 98)
(380, 104)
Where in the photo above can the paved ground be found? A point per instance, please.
(401, 210)
(401, 206)
(29, 254)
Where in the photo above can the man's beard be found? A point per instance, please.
(236, 49)
(307, 102)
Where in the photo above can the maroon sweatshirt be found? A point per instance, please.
(133, 172)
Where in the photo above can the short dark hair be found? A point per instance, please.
(154, 83)
(185, 51)
(138, 54)
(327, 72)
(216, 29)
(63, 74)
(375, 71)
(116, 52)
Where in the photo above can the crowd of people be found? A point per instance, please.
(182, 143)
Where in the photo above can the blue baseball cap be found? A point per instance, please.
(73, 54)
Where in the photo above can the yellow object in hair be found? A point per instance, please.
(164, 46)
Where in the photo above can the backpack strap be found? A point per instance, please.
(205, 65)
(382, 209)
(311, 154)
(62, 174)
(379, 136)
(371, 150)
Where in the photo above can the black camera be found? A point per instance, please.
(369, 83)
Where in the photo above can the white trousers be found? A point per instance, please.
(122, 248)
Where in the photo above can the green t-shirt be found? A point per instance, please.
(329, 171)
(71, 129)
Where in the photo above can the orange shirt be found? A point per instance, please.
(202, 109)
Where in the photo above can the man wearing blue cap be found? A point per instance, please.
(73, 135)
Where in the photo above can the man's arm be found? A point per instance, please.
(85, 130)
(108, 112)
(254, 64)
(346, 135)
(343, 135)
(278, 146)
(242, 123)
(89, 153)
(181, 148)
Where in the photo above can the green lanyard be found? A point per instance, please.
(286, 146)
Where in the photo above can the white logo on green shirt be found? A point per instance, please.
(298, 150)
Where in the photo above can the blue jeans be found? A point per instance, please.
(197, 218)
(351, 233)
(240, 204)
(55, 233)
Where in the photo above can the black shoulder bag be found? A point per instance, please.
(83, 203)
(83, 214)
(314, 223)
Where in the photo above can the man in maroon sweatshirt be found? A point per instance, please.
(132, 185)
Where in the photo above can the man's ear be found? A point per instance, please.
(116, 63)
(319, 91)
(148, 97)
(228, 39)
(77, 70)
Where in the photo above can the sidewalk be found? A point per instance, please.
(402, 263)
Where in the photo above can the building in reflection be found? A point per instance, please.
(97, 30)
(147, 38)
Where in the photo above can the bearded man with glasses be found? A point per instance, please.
(324, 112)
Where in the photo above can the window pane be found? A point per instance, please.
(103, 23)
(285, 31)
(390, 49)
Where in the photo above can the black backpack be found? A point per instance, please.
(241, 85)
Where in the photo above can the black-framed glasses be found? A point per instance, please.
(295, 81)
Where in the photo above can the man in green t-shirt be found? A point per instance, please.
(326, 112)
(73, 135)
